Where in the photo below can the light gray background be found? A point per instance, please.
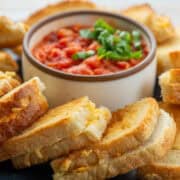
(19, 9)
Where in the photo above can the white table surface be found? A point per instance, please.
(19, 9)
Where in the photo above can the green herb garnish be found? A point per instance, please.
(115, 44)
(86, 33)
(101, 25)
(136, 39)
(83, 55)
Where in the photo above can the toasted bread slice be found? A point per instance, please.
(20, 108)
(66, 5)
(167, 168)
(18, 50)
(131, 126)
(90, 164)
(174, 111)
(160, 25)
(141, 12)
(92, 133)
(11, 33)
(170, 86)
(168, 54)
(63, 6)
(61, 122)
(7, 63)
(8, 82)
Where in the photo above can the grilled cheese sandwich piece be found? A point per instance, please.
(8, 82)
(167, 168)
(170, 86)
(160, 25)
(90, 164)
(21, 107)
(92, 133)
(61, 122)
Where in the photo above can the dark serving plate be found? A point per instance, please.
(44, 171)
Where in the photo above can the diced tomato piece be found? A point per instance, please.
(123, 65)
(93, 62)
(48, 47)
(40, 55)
(64, 32)
(55, 54)
(109, 65)
(145, 51)
(63, 42)
(52, 37)
(133, 62)
(72, 48)
(100, 71)
(80, 69)
(76, 27)
(143, 44)
(63, 63)
(93, 46)
(84, 42)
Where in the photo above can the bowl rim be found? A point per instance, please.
(75, 77)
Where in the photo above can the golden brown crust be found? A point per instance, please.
(101, 166)
(167, 168)
(50, 152)
(140, 12)
(135, 132)
(62, 6)
(92, 133)
(161, 26)
(168, 53)
(8, 82)
(7, 63)
(17, 50)
(55, 125)
(11, 34)
(164, 169)
(170, 86)
(19, 109)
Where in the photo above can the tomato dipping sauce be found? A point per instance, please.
(97, 50)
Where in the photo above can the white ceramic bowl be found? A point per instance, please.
(113, 90)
